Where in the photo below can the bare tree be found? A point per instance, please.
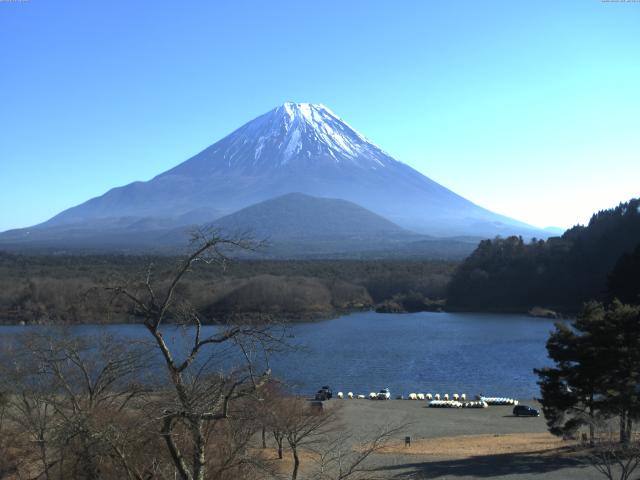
(100, 408)
(613, 459)
(335, 453)
(9, 457)
(202, 391)
(31, 412)
(343, 457)
(271, 411)
(70, 396)
(305, 426)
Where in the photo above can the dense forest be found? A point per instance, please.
(596, 261)
(75, 289)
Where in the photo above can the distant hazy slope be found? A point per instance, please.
(293, 225)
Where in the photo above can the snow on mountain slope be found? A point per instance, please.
(292, 134)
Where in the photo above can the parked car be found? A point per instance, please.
(525, 411)
(324, 393)
(384, 394)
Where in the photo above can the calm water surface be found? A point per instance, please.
(422, 352)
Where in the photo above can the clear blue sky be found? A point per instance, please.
(531, 109)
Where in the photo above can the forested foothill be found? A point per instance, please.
(595, 262)
(74, 288)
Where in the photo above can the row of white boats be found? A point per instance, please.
(437, 400)
(482, 402)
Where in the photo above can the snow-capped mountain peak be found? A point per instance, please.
(326, 127)
(295, 135)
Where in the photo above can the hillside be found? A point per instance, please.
(296, 216)
(560, 273)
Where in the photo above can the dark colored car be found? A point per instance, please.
(324, 393)
(525, 411)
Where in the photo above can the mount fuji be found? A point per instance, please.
(296, 147)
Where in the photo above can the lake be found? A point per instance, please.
(422, 352)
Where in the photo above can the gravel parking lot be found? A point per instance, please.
(463, 443)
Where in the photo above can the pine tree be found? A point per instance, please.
(596, 372)
(624, 279)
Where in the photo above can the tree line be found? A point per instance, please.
(593, 262)
(71, 289)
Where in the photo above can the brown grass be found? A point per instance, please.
(270, 457)
(464, 446)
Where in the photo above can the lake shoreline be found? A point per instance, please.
(298, 317)
(256, 318)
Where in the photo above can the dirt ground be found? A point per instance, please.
(463, 444)
(466, 446)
